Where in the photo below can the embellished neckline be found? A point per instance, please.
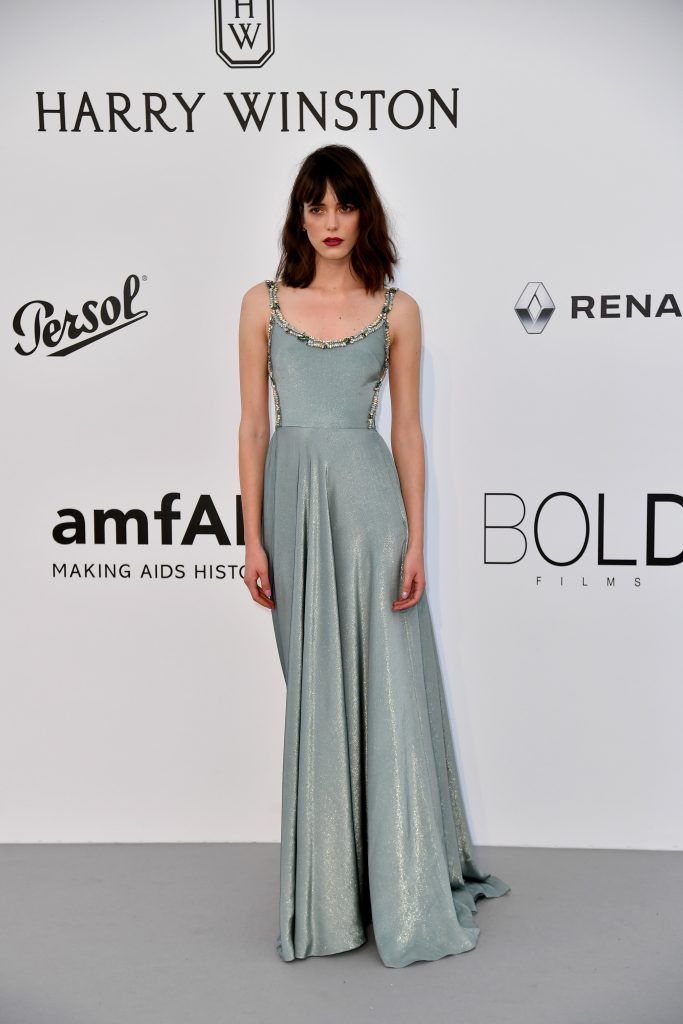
(331, 342)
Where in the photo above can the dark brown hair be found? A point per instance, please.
(374, 254)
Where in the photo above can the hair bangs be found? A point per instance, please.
(328, 172)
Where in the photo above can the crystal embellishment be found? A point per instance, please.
(276, 397)
(334, 342)
(308, 339)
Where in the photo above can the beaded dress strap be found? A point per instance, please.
(270, 284)
(391, 291)
(381, 317)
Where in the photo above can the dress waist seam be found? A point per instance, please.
(322, 426)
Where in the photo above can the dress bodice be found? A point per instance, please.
(326, 383)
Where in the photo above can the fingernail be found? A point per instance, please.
(267, 593)
(404, 594)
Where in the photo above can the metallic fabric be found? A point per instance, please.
(373, 822)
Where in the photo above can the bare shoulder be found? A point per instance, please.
(404, 317)
(256, 299)
(255, 308)
(405, 304)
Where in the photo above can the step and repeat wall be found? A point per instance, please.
(529, 159)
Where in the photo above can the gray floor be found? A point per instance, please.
(185, 933)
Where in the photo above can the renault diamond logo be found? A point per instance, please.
(245, 32)
(534, 307)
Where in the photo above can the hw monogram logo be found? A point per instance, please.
(245, 32)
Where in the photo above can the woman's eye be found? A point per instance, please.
(346, 207)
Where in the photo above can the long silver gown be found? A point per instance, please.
(373, 823)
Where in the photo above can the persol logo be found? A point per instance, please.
(245, 32)
(36, 324)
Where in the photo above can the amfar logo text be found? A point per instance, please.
(35, 322)
(132, 526)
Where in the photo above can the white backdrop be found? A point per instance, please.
(151, 709)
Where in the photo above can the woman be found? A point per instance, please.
(373, 825)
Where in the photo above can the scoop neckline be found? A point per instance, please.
(305, 336)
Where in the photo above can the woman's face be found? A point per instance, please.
(330, 220)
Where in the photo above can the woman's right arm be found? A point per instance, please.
(254, 435)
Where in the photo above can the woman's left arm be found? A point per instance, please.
(407, 441)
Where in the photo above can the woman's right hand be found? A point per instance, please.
(255, 573)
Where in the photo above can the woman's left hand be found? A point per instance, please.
(413, 583)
